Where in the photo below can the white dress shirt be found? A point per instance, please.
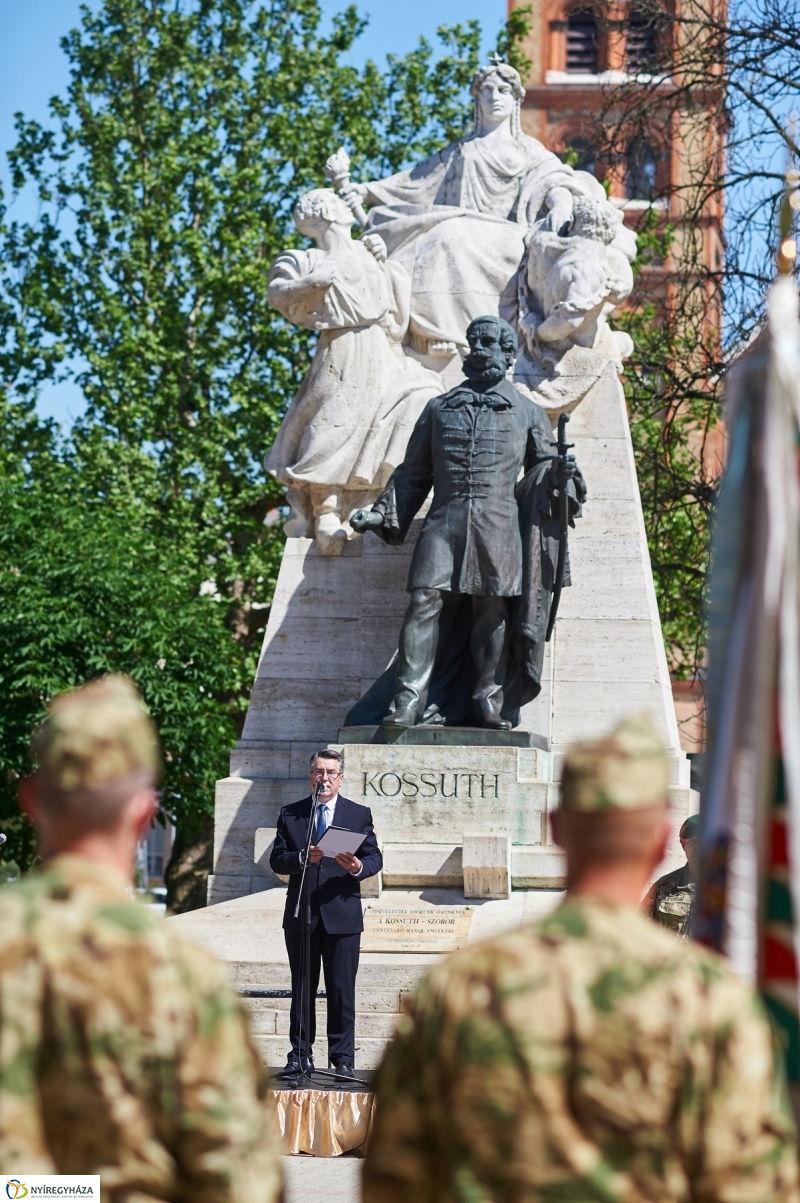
(328, 809)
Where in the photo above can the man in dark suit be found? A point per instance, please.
(336, 918)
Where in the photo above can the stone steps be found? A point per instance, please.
(370, 1002)
(376, 976)
(380, 995)
(246, 933)
(275, 1049)
(372, 1026)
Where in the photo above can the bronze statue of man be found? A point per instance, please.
(482, 571)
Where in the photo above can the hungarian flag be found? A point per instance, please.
(748, 892)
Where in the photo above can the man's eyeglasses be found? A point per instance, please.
(332, 773)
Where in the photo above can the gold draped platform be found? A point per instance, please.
(325, 1123)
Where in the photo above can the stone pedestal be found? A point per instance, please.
(486, 864)
(333, 629)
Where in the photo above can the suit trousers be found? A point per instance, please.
(338, 956)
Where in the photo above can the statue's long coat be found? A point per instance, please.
(488, 532)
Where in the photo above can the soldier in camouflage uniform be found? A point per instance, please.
(123, 1050)
(590, 1056)
(670, 899)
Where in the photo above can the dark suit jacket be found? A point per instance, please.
(335, 893)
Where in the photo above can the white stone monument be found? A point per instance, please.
(494, 223)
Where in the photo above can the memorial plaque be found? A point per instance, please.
(418, 929)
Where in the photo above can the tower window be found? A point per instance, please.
(582, 43)
(640, 177)
(642, 48)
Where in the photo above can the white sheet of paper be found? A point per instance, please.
(339, 839)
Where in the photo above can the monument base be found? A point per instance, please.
(431, 791)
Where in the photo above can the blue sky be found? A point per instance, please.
(33, 68)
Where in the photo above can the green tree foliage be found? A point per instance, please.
(165, 186)
(672, 414)
(86, 589)
(187, 134)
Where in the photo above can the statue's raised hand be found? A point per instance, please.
(375, 245)
(559, 219)
(351, 192)
(362, 520)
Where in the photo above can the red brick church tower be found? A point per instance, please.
(580, 54)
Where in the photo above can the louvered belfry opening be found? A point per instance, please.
(582, 43)
(642, 42)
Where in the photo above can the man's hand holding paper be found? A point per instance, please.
(338, 840)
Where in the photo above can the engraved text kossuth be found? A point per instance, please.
(458, 783)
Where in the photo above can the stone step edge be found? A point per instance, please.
(394, 1006)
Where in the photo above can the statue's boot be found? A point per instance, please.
(406, 712)
(419, 637)
(491, 714)
(489, 648)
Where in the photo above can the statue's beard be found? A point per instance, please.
(492, 374)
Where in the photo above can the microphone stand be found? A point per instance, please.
(306, 1074)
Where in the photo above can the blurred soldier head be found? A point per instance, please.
(613, 821)
(97, 762)
(689, 833)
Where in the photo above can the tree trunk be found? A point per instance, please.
(189, 865)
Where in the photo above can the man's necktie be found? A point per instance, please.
(322, 822)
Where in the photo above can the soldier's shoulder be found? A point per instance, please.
(593, 941)
(196, 961)
(50, 909)
(20, 902)
(668, 881)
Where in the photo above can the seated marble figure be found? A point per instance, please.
(573, 280)
(457, 221)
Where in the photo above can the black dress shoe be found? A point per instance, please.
(344, 1070)
(295, 1064)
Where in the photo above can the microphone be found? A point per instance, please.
(3, 839)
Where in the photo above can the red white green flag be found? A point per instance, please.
(749, 886)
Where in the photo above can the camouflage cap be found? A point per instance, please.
(96, 735)
(625, 771)
(690, 828)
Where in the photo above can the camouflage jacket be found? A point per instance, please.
(123, 1050)
(670, 900)
(588, 1057)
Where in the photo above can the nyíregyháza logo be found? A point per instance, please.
(16, 1189)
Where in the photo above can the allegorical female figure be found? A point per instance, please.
(347, 428)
